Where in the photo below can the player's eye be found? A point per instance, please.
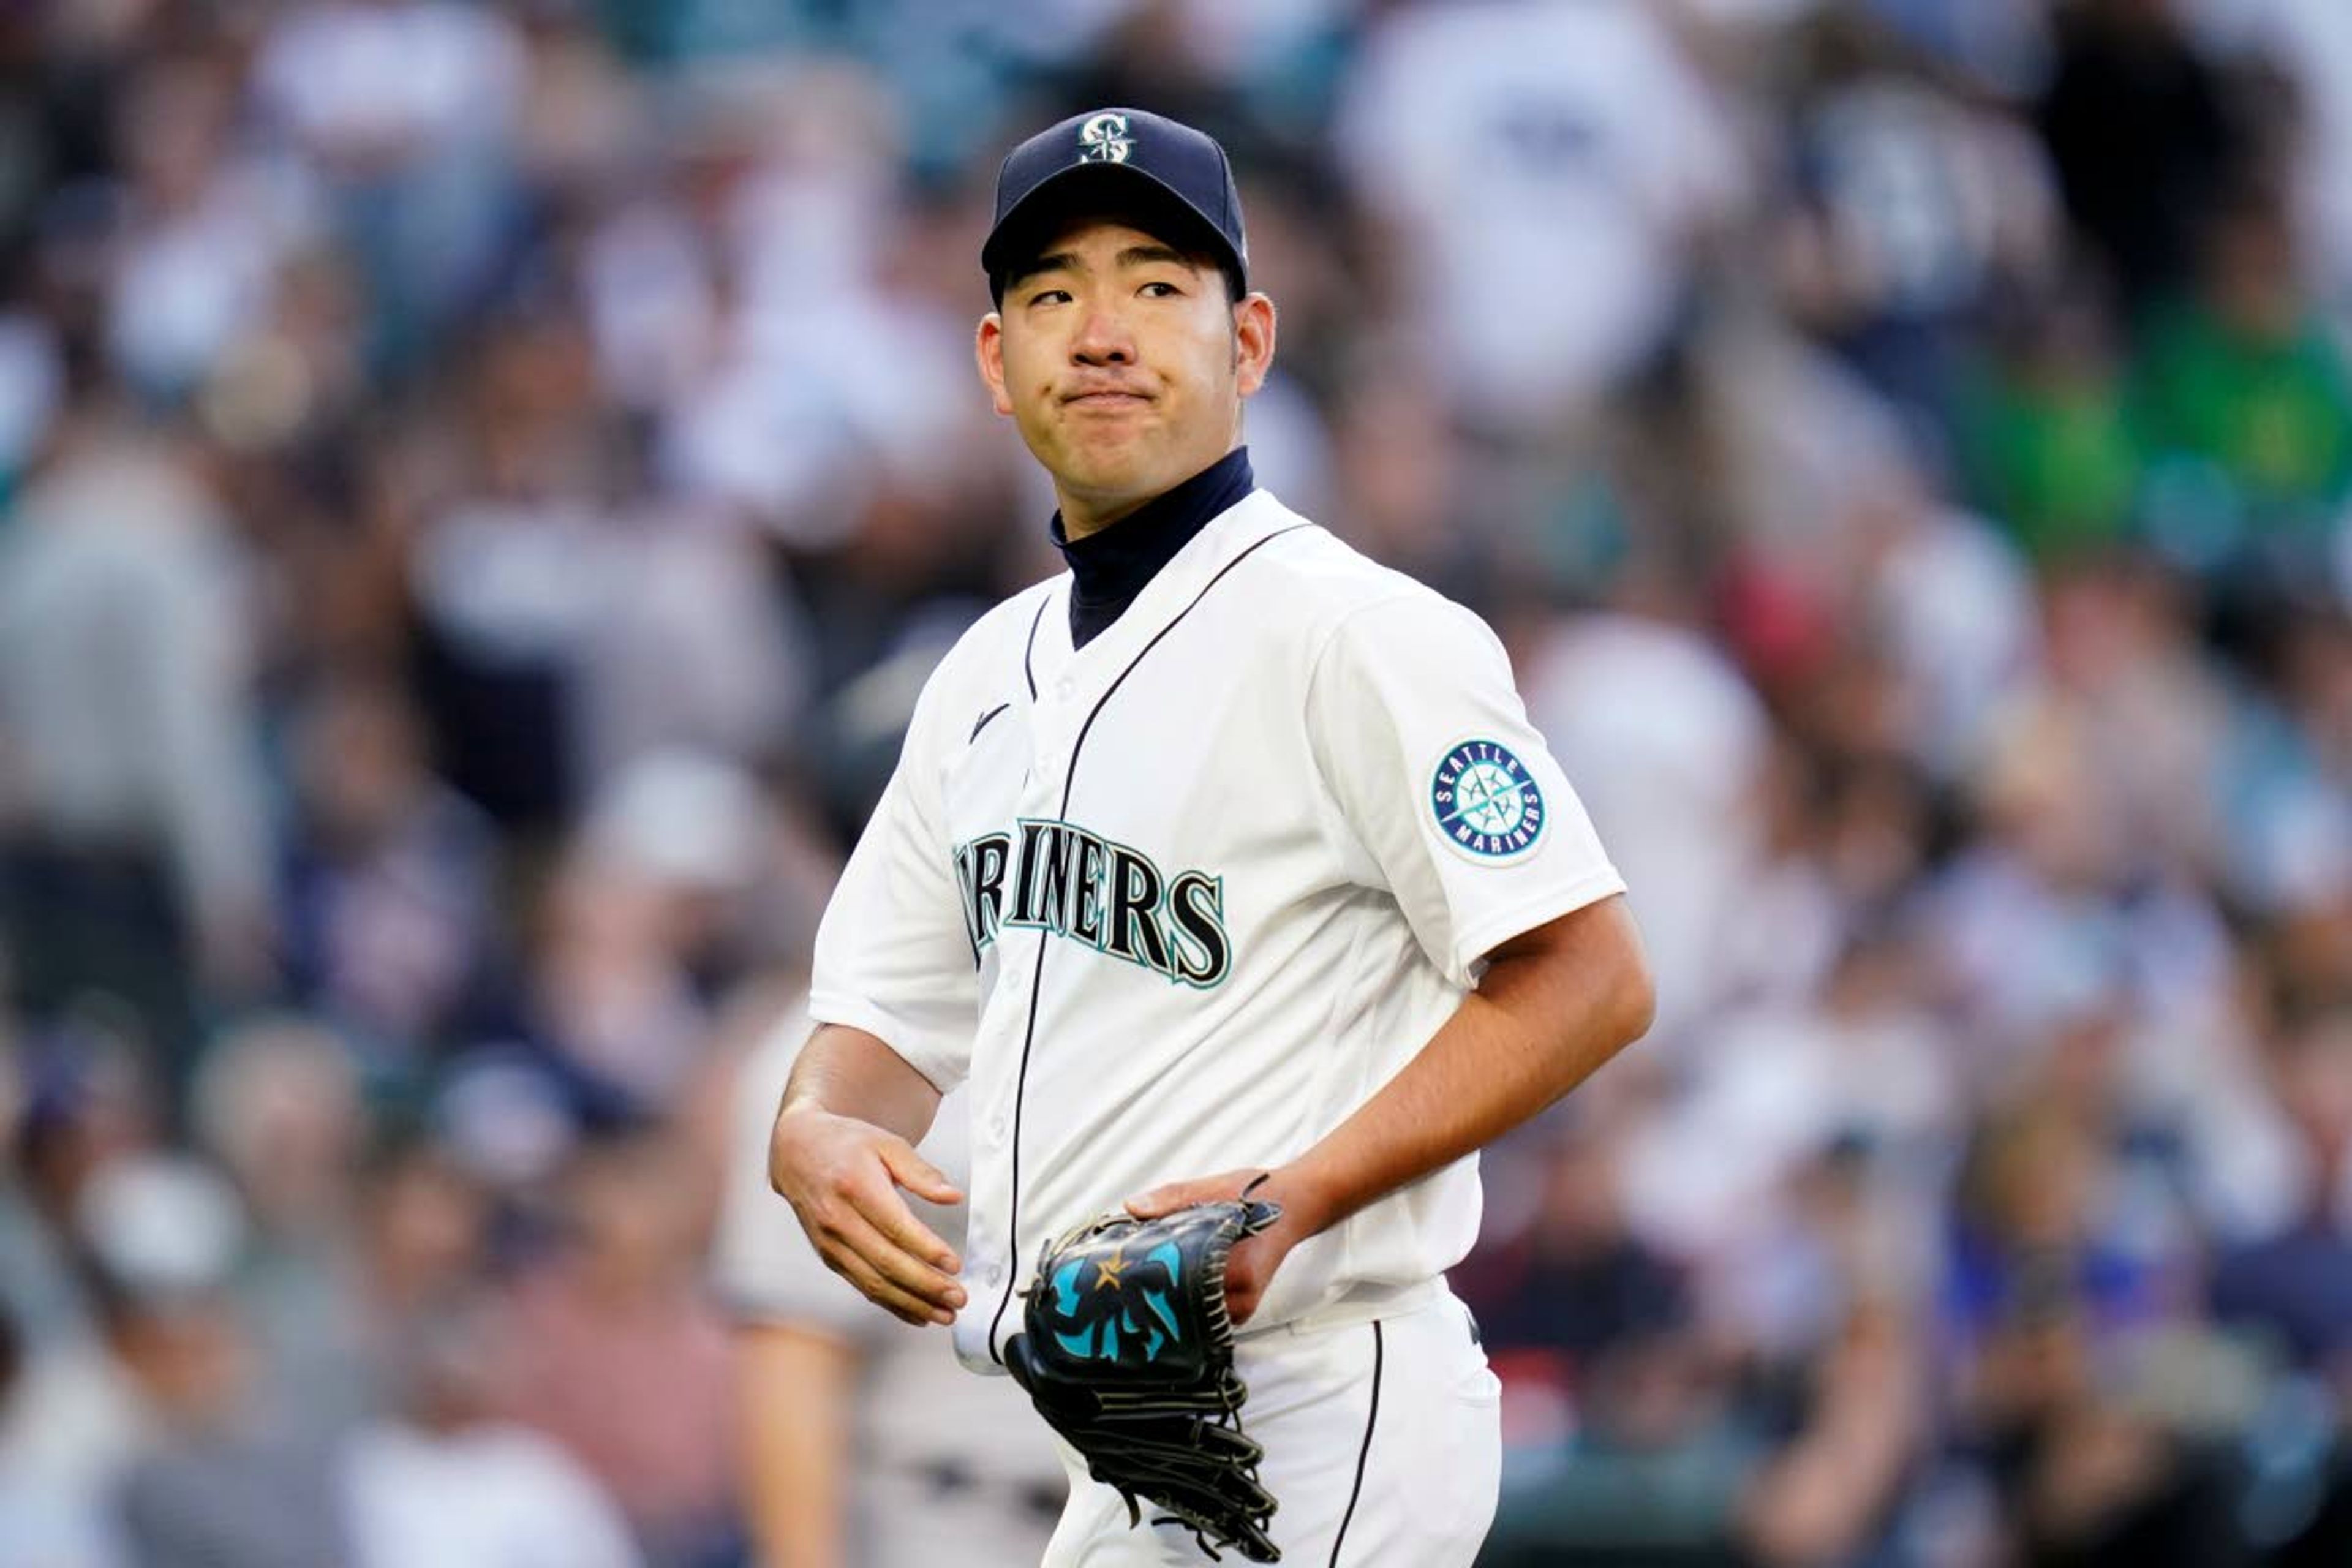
(1049, 296)
(1163, 291)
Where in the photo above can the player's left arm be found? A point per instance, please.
(1530, 921)
(1554, 1003)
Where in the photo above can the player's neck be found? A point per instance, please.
(1110, 566)
(1082, 519)
(1078, 517)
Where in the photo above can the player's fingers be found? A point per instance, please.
(888, 1213)
(863, 1214)
(1248, 1268)
(884, 1293)
(1168, 1199)
(902, 1268)
(917, 1174)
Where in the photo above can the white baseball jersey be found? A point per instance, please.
(1180, 901)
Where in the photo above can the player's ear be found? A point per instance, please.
(1253, 342)
(988, 349)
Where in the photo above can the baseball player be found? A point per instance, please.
(1225, 857)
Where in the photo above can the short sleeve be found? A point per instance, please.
(892, 955)
(1443, 793)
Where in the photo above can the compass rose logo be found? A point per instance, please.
(1104, 140)
(1486, 803)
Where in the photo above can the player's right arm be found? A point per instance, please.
(895, 994)
(843, 1147)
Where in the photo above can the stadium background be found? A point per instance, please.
(480, 484)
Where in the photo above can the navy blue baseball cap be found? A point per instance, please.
(1176, 181)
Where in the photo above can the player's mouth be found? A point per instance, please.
(1106, 398)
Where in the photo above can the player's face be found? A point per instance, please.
(1124, 362)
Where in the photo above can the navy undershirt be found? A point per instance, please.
(1109, 566)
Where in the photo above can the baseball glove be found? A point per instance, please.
(1128, 1352)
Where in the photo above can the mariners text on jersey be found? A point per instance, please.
(1057, 876)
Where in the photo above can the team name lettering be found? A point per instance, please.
(1057, 877)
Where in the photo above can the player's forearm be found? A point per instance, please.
(849, 1072)
(1553, 1006)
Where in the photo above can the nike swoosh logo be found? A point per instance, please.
(983, 724)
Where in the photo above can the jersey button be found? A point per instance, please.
(1065, 687)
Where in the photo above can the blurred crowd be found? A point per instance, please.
(481, 484)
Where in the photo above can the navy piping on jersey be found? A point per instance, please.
(1029, 653)
(1372, 1419)
(1037, 976)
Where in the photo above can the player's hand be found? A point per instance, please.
(842, 1177)
(1251, 1265)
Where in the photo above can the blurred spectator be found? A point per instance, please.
(1862, 1062)
(2298, 1284)
(71, 1416)
(30, 377)
(88, 1100)
(1915, 205)
(505, 580)
(2285, 811)
(2139, 125)
(1671, 741)
(225, 1474)
(2245, 401)
(1948, 604)
(2063, 899)
(442, 1480)
(2047, 444)
(615, 1353)
(1837, 1488)
(605, 1011)
(389, 873)
(421, 1237)
(416, 155)
(2047, 1298)
(739, 869)
(41, 1517)
(1576, 1285)
(2306, 44)
(135, 818)
(1545, 170)
(2002, 46)
(1668, 1457)
(2123, 667)
(206, 231)
(276, 1103)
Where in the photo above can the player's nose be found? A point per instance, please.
(1103, 337)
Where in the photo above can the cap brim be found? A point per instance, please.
(1108, 190)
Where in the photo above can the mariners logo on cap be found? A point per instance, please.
(1104, 140)
(1486, 803)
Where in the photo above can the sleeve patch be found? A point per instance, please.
(1486, 804)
